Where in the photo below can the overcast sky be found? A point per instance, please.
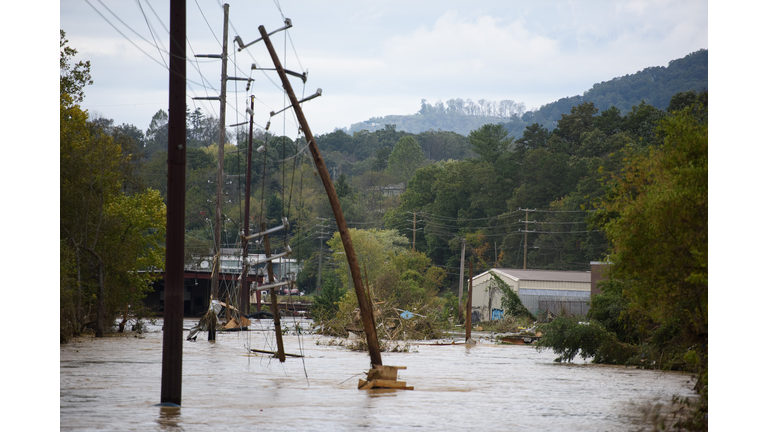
(379, 57)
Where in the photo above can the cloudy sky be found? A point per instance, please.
(374, 58)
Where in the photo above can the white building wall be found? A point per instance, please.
(480, 295)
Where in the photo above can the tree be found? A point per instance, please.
(108, 231)
(157, 134)
(382, 156)
(490, 142)
(642, 122)
(571, 126)
(659, 230)
(535, 136)
(326, 303)
(371, 248)
(72, 77)
(405, 158)
(343, 189)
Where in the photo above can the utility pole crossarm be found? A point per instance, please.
(242, 46)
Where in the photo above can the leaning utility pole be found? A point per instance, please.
(174, 226)
(366, 312)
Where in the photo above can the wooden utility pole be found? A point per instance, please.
(365, 310)
(469, 306)
(174, 250)
(461, 274)
(320, 263)
(525, 247)
(414, 231)
(273, 297)
(220, 172)
(245, 287)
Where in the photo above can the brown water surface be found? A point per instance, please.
(114, 384)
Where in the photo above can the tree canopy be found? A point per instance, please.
(112, 230)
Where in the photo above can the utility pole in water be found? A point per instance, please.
(469, 307)
(222, 98)
(273, 297)
(245, 287)
(461, 273)
(173, 337)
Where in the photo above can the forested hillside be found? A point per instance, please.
(654, 85)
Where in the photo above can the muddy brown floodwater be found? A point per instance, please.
(113, 383)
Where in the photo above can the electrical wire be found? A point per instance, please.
(151, 32)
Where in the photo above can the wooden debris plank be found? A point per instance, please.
(380, 383)
(274, 353)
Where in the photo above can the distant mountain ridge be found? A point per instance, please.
(655, 85)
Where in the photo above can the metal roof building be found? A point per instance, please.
(541, 291)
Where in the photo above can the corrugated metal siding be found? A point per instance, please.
(539, 304)
(546, 275)
(555, 285)
(546, 292)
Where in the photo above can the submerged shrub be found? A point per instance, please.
(570, 336)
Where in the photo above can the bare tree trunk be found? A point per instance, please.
(102, 311)
(125, 320)
(78, 312)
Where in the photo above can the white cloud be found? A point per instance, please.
(456, 49)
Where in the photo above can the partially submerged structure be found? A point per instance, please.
(542, 292)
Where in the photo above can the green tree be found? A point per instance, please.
(382, 157)
(490, 142)
(343, 189)
(642, 123)
(659, 235)
(405, 158)
(326, 303)
(157, 134)
(106, 234)
(571, 126)
(534, 137)
(372, 248)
